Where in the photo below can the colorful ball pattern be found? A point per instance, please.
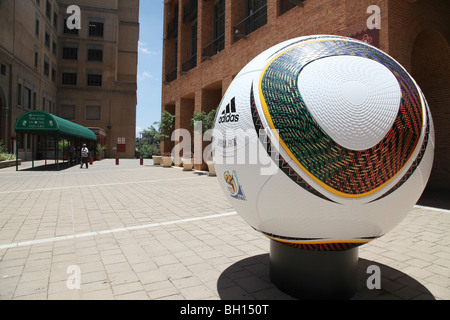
(346, 128)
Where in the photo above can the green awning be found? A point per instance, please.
(45, 124)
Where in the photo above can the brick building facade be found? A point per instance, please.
(207, 42)
(87, 76)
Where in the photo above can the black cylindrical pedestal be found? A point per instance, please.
(314, 275)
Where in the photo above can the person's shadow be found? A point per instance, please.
(249, 279)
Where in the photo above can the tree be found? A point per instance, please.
(150, 142)
(206, 119)
(166, 125)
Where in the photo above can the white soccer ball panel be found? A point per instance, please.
(323, 142)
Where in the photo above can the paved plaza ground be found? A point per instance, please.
(147, 232)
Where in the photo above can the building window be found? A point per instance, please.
(47, 39)
(54, 48)
(69, 78)
(94, 80)
(34, 100)
(36, 28)
(172, 26)
(96, 29)
(219, 26)
(68, 111)
(46, 68)
(66, 30)
(256, 14)
(48, 10)
(36, 59)
(95, 55)
(255, 18)
(48, 107)
(93, 113)
(218, 43)
(191, 63)
(53, 73)
(19, 94)
(55, 21)
(3, 70)
(70, 53)
(27, 98)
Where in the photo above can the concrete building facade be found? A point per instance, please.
(87, 76)
(207, 42)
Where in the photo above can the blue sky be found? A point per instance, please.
(150, 63)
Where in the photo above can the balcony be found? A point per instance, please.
(189, 64)
(214, 47)
(171, 76)
(251, 23)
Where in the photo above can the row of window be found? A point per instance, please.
(93, 112)
(71, 53)
(28, 99)
(96, 28)
(70, 78)
(68, 54)
(48, 13)
(255, 16)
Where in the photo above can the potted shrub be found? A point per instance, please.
(6, 159)
(188, 161)
(63, 146)
(165, 128)
(157, 158)
(167, 160)
(99, 151)
(207, 122)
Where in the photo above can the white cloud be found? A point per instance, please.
(142, 47)
(138, 131)
(145, 75)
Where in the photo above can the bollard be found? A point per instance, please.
(142, 161)
(117, 161)
(91, 161)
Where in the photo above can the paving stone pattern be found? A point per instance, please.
(147, 232)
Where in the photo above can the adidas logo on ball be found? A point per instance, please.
(229, 114)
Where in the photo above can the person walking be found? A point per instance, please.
(84, 156)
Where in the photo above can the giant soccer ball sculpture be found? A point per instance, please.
(323, 143)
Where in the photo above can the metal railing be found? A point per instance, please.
(214, 47)
(189, 64)
(171, 76)
(251, 23)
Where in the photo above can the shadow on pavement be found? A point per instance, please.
(49, 167)
(249, 279)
